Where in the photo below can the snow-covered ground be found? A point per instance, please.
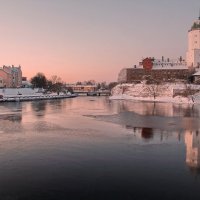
(9, 92)
(158, 93)
(22, 91)
(28, 94)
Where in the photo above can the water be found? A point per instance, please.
(93, 148)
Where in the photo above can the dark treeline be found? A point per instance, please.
(55, 84)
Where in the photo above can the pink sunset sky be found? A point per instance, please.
(91, 39)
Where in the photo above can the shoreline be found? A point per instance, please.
(175, 100)
(177, 93)
(20, 98)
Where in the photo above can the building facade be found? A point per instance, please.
(5, 77)
(156, 70)
(82, 88)
(10, 76)
(193, 53)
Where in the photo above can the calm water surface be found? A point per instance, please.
(92, 148)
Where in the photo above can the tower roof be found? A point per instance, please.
(199, 13)
(196, 24)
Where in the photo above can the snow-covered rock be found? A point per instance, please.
(155, 92)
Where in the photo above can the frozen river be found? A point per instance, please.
(93, 148)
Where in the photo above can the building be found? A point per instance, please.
(17, 76)
(82, 88)
(167, 69)
(196, 77)
(1, 81)
(5, 77)
(10, 76)
(158, 70)
(193, 53)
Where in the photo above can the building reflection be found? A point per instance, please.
(143, 133)
(155, 135)
(12, 117)
(147, 133)
(191, 139)
(159, 109)
(11, 112)
(192, 142)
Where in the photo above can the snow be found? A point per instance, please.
(155, 67)
(25, 94)
(157, 93)
(16, 91)
(197, 74)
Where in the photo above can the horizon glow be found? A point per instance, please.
(90, 39)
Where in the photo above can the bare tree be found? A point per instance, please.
(153, 90)
(152, 87)
(55, 79)
(56, 84)
(189, 91)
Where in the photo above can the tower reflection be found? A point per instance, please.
(192, 142)
(147, 133)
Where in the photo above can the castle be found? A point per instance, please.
(169, 70)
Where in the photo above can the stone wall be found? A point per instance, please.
(122, 76)
(130, 75)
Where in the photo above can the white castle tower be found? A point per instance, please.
(193, 53)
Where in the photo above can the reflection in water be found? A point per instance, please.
(44, 107)
(147, 133)
(159, 109)
(191, 138)
(11, 112)
(192, 142)
(39, 107)
(12, 117)
(56, 152)
(154, 136)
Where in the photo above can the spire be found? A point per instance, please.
(199, 13)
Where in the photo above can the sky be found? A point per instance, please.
(80, 40)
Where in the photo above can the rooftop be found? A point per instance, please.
(195, 26)
(197, 74)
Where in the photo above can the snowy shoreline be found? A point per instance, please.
(28, 94)
(177, 99)
(34, 97)
(156, 93)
